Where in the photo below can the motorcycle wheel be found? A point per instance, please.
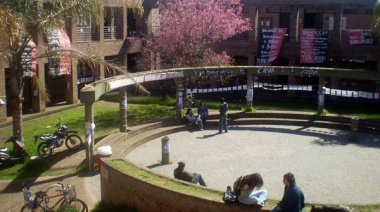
(44, 150)
(73, 142)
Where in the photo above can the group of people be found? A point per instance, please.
(248, 189)
(202, 111)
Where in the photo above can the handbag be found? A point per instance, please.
(228, 196)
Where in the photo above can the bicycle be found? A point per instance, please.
(189, 101)
(42, 202)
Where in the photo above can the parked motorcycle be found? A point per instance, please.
(55, 140)
(18, 153)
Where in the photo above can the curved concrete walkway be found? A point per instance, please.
(328, 167)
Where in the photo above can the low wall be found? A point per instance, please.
(120, 188)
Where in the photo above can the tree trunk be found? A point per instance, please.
(16, 103)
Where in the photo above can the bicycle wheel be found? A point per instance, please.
(73, 142)
(44, 150)
(187, 103)
(26, 209)
(75, 205)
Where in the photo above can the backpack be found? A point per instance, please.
(302, 198)
(223, 108)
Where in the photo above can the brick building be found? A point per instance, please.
(338, 17)
(119, 39)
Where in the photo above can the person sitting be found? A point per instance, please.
(181, 174)
(248, 190)
(291, 201)
(194, 119)
(203, 111)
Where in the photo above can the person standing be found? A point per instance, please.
(181, 174)
(203, 111)
(223, 116)
(291, 201)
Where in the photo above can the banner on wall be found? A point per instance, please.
(314, 45)
(360, 37)
(270, 41)
(28, 58)
(59, 40)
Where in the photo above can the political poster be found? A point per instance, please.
(270, 42)
(59, 62)
(314, 45)
(360, 37)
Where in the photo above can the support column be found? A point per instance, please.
(38, 104)
(89, 120)
(336, 32)
(72, 84)
(335, 85)
(179, 96)
(291, 81)
(321, 96)
(249, 91)
(123, 108)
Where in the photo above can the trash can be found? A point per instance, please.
(103, 152)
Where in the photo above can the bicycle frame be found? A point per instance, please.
(42, 199)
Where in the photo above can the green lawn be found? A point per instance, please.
(145, 108)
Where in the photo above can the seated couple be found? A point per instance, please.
(248, 190)
(194, 119)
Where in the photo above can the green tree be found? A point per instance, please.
(23, 20)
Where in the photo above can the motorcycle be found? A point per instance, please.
(18, 153)
(55, 140)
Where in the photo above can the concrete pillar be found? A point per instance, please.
(321, 96)
(72, 84)
(165, 145)
(38, 104)
(89, 120)
(336, 34)
(291, 81)
(249, 91)
(334, 84)
(123, 108)
(354, 129)
(179, 95)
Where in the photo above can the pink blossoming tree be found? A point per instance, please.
(189, 31)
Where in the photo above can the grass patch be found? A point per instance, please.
(158, 180)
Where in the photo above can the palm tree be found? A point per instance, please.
(22, 20)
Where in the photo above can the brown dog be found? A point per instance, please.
(324, 208)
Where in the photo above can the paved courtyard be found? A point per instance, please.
(328, 167)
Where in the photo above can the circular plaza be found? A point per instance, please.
(328, 167)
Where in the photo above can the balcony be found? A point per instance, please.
(109, 32)
(83, 34)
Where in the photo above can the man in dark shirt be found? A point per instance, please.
(181, 174)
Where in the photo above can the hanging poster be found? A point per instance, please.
(60, 62)
(270, 41)
(28, 59)
(359, 37)
(314, 45)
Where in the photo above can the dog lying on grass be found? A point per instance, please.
(325, 208)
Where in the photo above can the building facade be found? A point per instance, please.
(119, 39)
